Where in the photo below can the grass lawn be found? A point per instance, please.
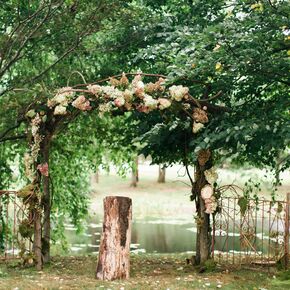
(147, 272)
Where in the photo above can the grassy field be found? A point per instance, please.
(147, 272)
(152, 199)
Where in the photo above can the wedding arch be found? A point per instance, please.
(116, 93)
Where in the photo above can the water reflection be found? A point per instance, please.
(166, 236)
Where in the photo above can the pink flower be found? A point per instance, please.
(119, 102)
(143, 109)
(82, 103)
(43, 168)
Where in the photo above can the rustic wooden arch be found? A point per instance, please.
(43, 119)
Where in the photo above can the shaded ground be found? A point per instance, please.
(147, 272)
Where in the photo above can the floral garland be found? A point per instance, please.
(116, 94)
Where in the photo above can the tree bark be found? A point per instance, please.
(203, 233)
(203, 239)
(46, 202)
(161, 174)
(37, 240)
(97, 176)
(114, 253)
(135, 174)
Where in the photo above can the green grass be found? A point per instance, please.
(147, 272)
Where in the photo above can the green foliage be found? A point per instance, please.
(243, 203)
(210, 265)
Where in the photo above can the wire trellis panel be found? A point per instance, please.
(257, 232)
(12, 212)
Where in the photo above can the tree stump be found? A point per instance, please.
(114, 253)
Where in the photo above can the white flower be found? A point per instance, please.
(197, 127)
(61, 99)
(210, 205)
(178, 92)
(34, 129)
(211, 175)
(35, 122)
(136, 79)
(112, 92)
(140, 85)
(82, 103)
(119, 101)
(30, 114)
(51, 103)
(108, 90)
(104, 108)
(150, 102)
(94, 89)
(66, 91)
(206, 192)
(60, 110)
(128, 95)
(164, 103)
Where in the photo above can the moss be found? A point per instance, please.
(26, 191)
(210, 265)
(26, 229)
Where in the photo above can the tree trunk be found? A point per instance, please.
(37, 240)
(114, 254)
(203, 233)
(46, 202)
(97, 176)
(161, 174)
(135, 174)
(203, 239)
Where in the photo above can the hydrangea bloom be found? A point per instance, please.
(104, 108)
(124, 80)
(164, 103)
(82, 103)
(62, 97)
(206, 192)
(211, 175)
(196, 127)
(94, 89)
(108, 90)
(178, 92)
(119, 101)
(30, 114)
(60, 110)
(128, 95)
(210, 205)
(35, 122)
(150, 102)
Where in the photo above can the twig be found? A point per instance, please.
(120, 75)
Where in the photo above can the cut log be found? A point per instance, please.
(114, 253)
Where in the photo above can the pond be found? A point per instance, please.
(150, 236)
(171, 236)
